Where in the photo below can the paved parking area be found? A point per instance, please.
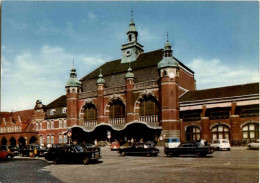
(237, 165)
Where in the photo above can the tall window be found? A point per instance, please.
(117, 110)
(149, 107)
(193, 133)
(52, 139)
(48, 139)
(65, 123)
(65, 138)
(36, 126)
(60, 138)
(220, 132)
(40, 126)
(251, 131)
(60, 123)
(90, 113)
(52, 124)
(41, 142)
(48, 125)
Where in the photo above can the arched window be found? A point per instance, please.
(251, 131)
(220, 132)
(117, 110)
(149, 107)
(90, 113)
(130, 37)
(193, 133)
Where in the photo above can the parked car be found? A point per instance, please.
(115, 146)
(254, 145)
(171, 142)
(184, 148)
(139, 149)
(220, 144)
(33, 149)
(10, 148)
(6, 155)
(72, 153)
(149, 144)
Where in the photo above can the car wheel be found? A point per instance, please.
(197, 154)
(148, 154)
(218, 148)
(56, 161)
(86, 161)
(8, 157)
(228, 149)
(170, 155)
(122, 153)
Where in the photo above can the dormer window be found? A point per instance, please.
(64, 110)
(52, 112)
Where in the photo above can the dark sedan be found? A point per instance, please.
(34, 150)
(184, 148)
(71, 154)
(139, 149)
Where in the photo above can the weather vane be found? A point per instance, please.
(132, 13)
(167, 37)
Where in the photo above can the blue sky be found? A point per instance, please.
(217, 40)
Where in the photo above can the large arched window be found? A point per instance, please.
(117, 110)
(90, 113)
(251, 131)
(193, 133)
(220, 132)
(149, 107)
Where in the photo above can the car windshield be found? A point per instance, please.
(79, 149)
(224, 141)
(216, 142)
(199, 144)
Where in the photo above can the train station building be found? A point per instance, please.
(149, 96)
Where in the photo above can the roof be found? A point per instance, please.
(222, 92)
(25, 116)
(59, 102)
(144, 67)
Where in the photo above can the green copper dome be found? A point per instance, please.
(168, 62)
(73, 79)
(129, 74)
(167, 45)
(132, 27)
(101, 79)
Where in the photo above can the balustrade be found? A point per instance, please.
(117, 121)
(149, 119)
(90, 123)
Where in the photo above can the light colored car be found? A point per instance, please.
(220, 144)
(253, 145)
(171, 143)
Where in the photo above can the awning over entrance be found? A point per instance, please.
(135, 130)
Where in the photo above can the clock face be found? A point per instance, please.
(171, 75)
(128, 53)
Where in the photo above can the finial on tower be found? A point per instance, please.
(167, 37)
(132, 13)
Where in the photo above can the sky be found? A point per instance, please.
(219, 41)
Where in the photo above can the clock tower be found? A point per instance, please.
(132, 48)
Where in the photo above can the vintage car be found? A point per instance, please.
(139, 149)
(185, 148)
(254, 145)
(34, 150)
(171, 142)
(5, 155)
(220, 144)
(72, 153)
(115, 146)
(10, 148)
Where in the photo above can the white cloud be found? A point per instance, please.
(214, 73)
(28, 76)
(145, 34)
